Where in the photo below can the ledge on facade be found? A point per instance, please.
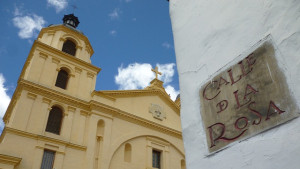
(69, 30)
(42, 137)
(10, 160)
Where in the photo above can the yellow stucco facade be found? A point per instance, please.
(99, 129)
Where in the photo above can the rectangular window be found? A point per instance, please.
(156, 159)
(48, 159)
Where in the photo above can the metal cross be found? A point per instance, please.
(74, 7)
(156, 72)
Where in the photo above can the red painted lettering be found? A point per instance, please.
(204, 94)
(237, 100)
(252, 90)
(276, 109)
(256, 113)
(213, 140)
(222, 81)
(220, 136)
(222, 105)
(236, 124)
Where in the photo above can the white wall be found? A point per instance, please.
(209, 34)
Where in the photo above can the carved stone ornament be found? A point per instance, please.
(157, 111)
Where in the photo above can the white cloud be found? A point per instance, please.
(28, 24)
(4, 100)
(139, 75)
(134, 19)
(58, 4)
(166, 45)
(135, 76)
(113, 32)
(115, 14)
(172, 92)
(127, 1)
(17, 11)
(167, 71)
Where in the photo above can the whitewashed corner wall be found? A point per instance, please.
(209, 34)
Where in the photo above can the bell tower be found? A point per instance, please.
(60, 60)
(54, 87)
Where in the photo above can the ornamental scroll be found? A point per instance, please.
(246, 99)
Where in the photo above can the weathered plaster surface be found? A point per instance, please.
(208, 35)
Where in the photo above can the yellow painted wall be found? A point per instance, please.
(95, 125)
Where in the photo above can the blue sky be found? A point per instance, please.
(128, 37)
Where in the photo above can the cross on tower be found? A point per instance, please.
(74, 7)
(156, 72)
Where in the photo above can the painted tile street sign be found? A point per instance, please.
(247, 98)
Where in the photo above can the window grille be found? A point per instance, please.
(69, 47)
(156, 159)
(54, 120)
(48, 159)
(62, 79)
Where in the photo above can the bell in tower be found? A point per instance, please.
(71, 20)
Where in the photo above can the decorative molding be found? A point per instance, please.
(78, 70)
(127, 93)
(71, 109)
(90, 75)
(43, 55)
(47, 101)
(51, 32)
(44, 138)
(158, 141)
(69, 32)
(64, 55)
(87, 107)
(134, 119)
(55, 60)
(157, 111)
(79, 47)
(85, 113)
(62, 39)
(31, 96)
(10, 160)
(101, 94)
(88, 49)
(50, 147)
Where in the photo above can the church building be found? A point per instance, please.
(57, 120)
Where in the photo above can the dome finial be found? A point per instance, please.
(71, 20)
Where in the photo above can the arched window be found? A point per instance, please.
(69, 47)
(100, 128)
(127, 153)
(62, 79)
(54, 120)
(99, 142)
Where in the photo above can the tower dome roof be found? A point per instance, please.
(71, 20)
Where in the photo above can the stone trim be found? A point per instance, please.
(44, 138)
(6, 159)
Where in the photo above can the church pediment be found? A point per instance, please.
(142, 95)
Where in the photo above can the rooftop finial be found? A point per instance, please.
(71, 20)
(74, 7)
(156, 72)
